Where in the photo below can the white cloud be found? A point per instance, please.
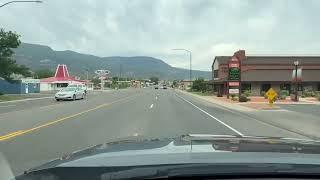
(144, 27)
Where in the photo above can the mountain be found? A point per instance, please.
(43, 57)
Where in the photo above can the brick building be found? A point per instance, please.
(259, 73)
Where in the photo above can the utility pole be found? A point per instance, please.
(296, 63)
(190, 59)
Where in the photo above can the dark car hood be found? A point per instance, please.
(137, 151)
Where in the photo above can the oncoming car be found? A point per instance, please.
(70, 93)
(80, 86)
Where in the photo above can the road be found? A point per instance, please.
(34, 132)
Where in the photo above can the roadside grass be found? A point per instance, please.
(11, 97)
(202, 93)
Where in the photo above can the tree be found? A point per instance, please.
(199, 85)
(8, 66)
(154, 80)
(43, 73)
(95, 81)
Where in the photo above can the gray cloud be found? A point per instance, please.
(144, 27)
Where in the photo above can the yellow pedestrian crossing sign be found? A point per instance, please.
(271, 94)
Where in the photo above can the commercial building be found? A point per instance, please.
(60, 80)
(260, 73)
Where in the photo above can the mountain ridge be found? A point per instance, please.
(37, 56)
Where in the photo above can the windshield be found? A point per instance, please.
(68, 89)
(75, 74)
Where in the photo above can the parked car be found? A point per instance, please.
(156, 87)
(70, 93)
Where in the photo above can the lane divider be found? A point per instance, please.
(223, 123)
(21, 132)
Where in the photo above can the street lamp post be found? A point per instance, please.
(19, 2)
(190, 57)
(296, 63)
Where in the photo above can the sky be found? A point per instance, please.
(207, 28)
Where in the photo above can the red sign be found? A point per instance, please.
(234, 59)
(234, 65)
(234, 83)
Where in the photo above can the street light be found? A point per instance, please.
(19, 2)
(296, 63)
(190, 56)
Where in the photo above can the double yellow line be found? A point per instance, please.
(21, 132)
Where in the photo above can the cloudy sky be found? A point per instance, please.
(154, 27)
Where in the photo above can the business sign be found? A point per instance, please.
(233, 91)
(234, 84)
(299, 75)
(234, 65)
(26, 81)
(234, 74)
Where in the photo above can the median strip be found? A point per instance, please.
(21, 132)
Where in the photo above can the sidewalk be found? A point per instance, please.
(255, 103)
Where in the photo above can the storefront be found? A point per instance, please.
(260, 73)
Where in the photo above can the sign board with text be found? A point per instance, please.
(233, 91)
(234, 84)
(234, 74)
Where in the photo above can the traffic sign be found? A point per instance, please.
(271, 94)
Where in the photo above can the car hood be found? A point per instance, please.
(135, 151)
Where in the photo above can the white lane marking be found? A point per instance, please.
(156, 97)
(231, 128)
(8, 105)
(151, 106)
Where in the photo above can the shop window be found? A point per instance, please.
(245, 87)
(265, 87)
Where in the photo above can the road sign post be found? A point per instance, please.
(272, 95)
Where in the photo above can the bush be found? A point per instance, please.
(283, 97)
(262, 93)
(243, 98)
(247, 93)
(284, 93)
(1, 93)
(309, 93)
(318, 97)
(303, 96)
(233, 97)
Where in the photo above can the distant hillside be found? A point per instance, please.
(41, 57)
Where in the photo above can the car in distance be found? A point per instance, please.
(156, 87)
(164, 86)
(81, 86)
(70, 93)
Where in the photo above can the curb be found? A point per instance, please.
(27, 99)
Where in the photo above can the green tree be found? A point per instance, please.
(8, 66)
(199, 85)
(95, 81)
(154, 80)
(43, 73)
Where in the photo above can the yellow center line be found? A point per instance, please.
(21, 132)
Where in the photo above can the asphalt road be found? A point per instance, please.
(34, 132)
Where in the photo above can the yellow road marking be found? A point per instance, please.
(21, 132)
